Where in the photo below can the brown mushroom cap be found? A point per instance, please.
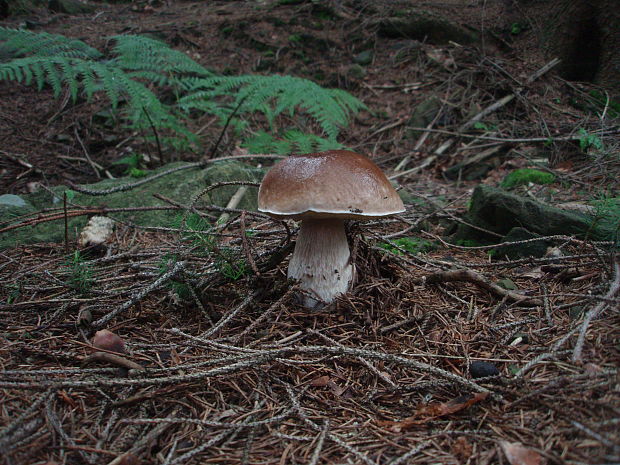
(107, 340)
(336, 183)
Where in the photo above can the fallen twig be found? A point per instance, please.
(473, 277)
(177, 268)
(370, 366)
(231, 314)
(295, 400)
(107, 357)
(594, 312)
(250, 360)
(143, 443)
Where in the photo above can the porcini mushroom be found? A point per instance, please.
(107, 340)
(323, 190)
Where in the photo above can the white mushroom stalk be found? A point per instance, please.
(321, 261)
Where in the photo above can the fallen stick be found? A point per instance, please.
(113, 359)
(473, 277)
(596, 311)
(234, 201)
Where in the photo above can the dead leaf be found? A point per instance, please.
(462, 449)
(429, 412)
(226, 414)
(442, 58)
(454, 405)
(321, 381)
(337, 390)
(434, 336)
(518, 454)
(592, 368)
(67, 399)
(127, 459)
(534, 273)
(240, 151)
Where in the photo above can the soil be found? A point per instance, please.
(237, 371)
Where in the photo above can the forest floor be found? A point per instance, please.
(236, 371)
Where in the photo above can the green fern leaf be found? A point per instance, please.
(89, 81)
(70, 76)
(139, 53)
(52, 76)
(330, 108)
(20, 43)
(62, 62)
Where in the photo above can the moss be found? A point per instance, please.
(275, 21)
(607, 216)
(356, 72)
(469, 243)
(179, 186)
(412, 245)
(525, 176)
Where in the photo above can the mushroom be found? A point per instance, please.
(323, 190)
(107, 340)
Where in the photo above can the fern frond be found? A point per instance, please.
(42, 68)
(347, 100)
(139, 53)
(155, 78)
(20, 43)
(292, 141)
(62, 62)
(331, 108)
(89, 81)
(70, 76)
(109, 80)
(263, 142)
(201, 101)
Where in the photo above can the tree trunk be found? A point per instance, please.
(584, 34)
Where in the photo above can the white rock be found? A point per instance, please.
(96, 232)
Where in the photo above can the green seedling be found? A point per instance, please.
(587, 141)
(231, 266)
(484, 126)
(80, 273)
(197, 232)
(133, 164)
(412, 245)
(516, 29)
(180, 288)
(13, 292)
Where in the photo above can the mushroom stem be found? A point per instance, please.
(321, 261)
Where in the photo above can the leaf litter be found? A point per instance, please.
(234, 371)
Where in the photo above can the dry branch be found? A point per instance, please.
(106, 357)
(473, 277)
(177, 268)
(596, 311)
(252, 360)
